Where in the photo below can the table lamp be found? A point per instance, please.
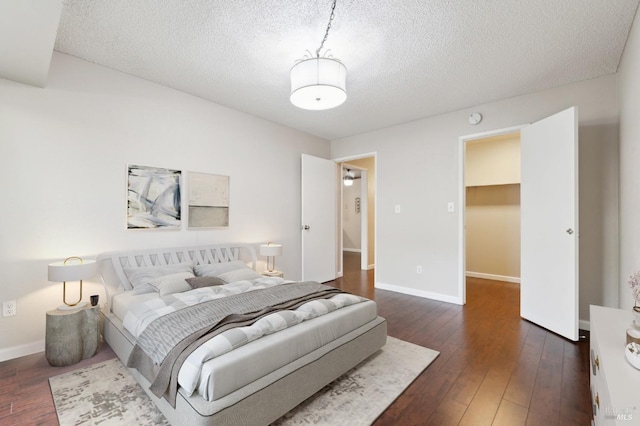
(271, 250)
(72, 268)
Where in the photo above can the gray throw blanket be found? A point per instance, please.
(188, 328)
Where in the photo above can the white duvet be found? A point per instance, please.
(190, 375)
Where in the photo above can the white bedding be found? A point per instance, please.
(122, 302)
(213, 370)
(229, 372)
(140, 315)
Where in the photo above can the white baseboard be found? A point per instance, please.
(493, 277)
(420, 293)
(584, 325)
(352, 250)
(21, 350)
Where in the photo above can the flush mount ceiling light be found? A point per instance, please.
(318, 83)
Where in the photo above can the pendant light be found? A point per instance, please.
(318, 83)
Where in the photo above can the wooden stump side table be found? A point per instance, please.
(72, 336)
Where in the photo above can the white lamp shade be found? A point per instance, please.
(59, 271)
(318, 83)
(271, 250)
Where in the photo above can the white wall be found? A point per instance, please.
(63, 156)
(418, 169)
(629, 93)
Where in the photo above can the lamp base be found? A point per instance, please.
(72, 308)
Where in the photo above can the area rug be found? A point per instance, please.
(106, 394)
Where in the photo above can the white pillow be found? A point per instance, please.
(239, 275)
(215, 269)
(139, 277)
(174, 283)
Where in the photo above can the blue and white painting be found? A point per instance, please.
(153, 198)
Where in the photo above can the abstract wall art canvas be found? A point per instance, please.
(153, 198)
(208, 200)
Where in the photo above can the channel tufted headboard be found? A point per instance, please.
(111, 264)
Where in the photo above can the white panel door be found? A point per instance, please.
(318, 219)
(549, 223)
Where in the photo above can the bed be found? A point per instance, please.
(261, 379)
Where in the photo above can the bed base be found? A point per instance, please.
(267, 398)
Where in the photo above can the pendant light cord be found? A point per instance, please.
(326, 34)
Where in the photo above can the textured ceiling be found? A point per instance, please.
(406, 59)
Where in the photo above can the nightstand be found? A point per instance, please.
(72, 335)
(273, 274)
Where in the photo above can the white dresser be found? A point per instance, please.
(615, 384)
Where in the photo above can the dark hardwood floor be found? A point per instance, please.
(494, 368)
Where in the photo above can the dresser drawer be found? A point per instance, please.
(600, 400)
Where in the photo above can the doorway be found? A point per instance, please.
(357, 215)
(492, 208)
(492, 149)
(549, 221)
(354, 215)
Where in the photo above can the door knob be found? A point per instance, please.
(569, 231)
(305, 227)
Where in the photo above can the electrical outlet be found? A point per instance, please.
(419, 269)
(9, 308)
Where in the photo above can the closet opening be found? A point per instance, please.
(492, 210)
